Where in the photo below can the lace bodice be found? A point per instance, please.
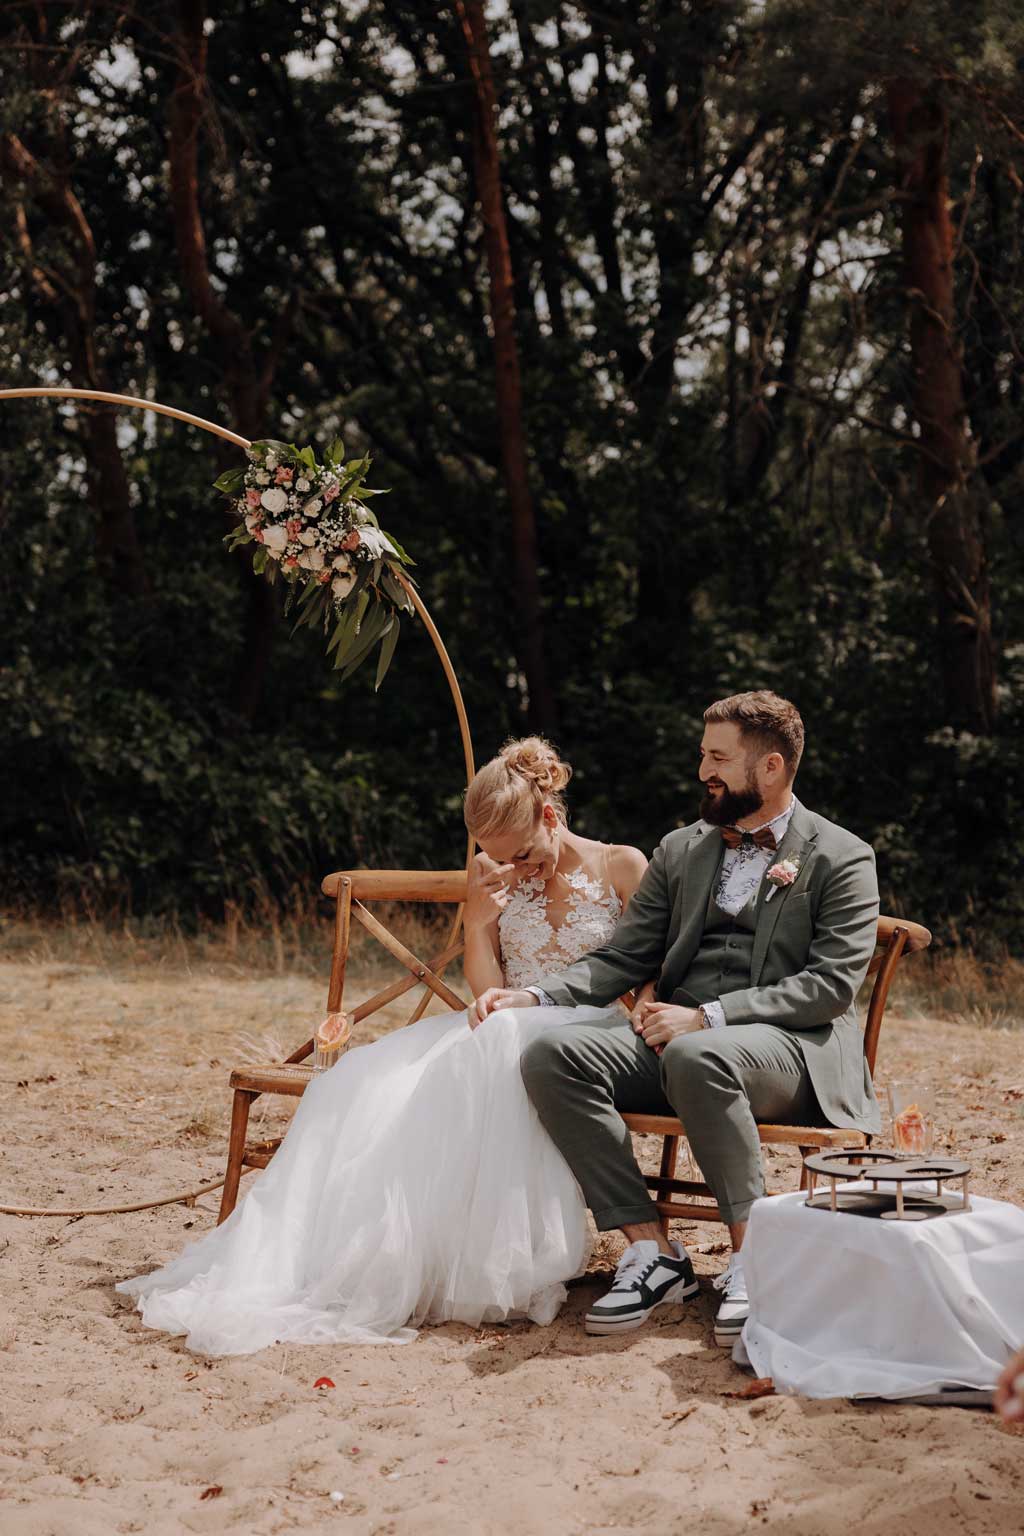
(532, 946)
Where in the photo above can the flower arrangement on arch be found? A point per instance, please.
(316, 533)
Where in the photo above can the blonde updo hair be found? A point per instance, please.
(509, 793)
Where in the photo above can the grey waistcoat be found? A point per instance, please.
(723, 960)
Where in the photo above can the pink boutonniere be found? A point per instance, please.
(781, 875)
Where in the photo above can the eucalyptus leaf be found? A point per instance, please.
(310, 589)
(387, 651)
(373, 627)
(340, 630)
(313, 610)
(405, 558)
(230, 481)
(395, 591)
(361, 604)
(348, 627)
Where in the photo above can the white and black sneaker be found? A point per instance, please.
(645, 1279)
(735, 1307)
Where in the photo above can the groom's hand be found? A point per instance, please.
(662, 1022)
(495, 998)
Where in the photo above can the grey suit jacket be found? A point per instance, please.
(812, 946)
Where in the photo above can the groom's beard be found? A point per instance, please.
(731, 805)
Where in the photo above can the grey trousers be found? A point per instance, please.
(718, 1082)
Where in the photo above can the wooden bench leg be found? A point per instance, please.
(805, 1177)
(669, 1158)
(236, 1151)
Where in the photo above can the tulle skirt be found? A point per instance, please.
(415, 1184)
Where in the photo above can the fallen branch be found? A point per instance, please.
(183, 1197)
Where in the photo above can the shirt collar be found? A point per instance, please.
(779, 823)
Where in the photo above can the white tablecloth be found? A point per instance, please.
(848, 1306)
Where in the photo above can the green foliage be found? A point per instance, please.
(721, 456)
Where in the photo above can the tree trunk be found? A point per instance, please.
(540, 135)
(70, 295)
(953, 497)
(246, 382)
(541, 707)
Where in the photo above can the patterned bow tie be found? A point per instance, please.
(732, 837)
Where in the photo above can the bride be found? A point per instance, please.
(416, 1183)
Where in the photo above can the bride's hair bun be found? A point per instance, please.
(509, 793)
(534, 758)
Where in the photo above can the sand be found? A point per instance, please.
(115, 1085)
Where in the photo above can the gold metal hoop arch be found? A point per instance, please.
(241, 442)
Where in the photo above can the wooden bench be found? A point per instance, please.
(351, 889)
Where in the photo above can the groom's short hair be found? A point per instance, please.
(767, 723)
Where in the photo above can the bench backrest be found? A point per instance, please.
(352, 888)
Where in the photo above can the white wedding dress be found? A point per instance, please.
(415, 1183)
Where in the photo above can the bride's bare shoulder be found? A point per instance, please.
(626, 866)
(630, 860)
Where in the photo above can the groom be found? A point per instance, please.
(759, 921)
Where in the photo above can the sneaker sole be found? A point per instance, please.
(604, 1326)
(725, 1338)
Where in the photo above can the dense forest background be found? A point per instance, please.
(688, 335)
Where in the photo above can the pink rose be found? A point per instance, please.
(293, 527)
(331, 491)
(257, 534)
(283, 476)
(351, 540)
(290, 563)
(252, 497)
(784, 873)
(324, 576)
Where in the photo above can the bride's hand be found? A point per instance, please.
(495, 998)
(486, 891)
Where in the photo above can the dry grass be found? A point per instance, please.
(294, 939)
(956, 985)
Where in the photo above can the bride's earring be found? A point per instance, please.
(556, 851)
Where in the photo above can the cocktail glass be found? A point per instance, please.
(912, 1107)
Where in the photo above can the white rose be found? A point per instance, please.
(274, 500)
(275, 540)
(262, 478)
(343, 583)
(342, 563)
(312, 507)
(316, 560)
(307, 536)
(302, 484)
(374, 542)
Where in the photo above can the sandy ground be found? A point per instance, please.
(114, 1084)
